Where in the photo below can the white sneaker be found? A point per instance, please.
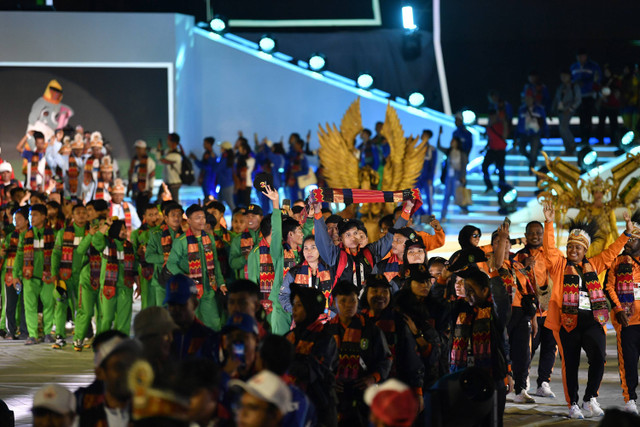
(575, 413)
(592, 408)
(523, 397)
(631, 407)
(545, 391)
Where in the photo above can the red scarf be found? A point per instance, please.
(12, 250)
(142, 174)
(392, 267)
(100, 190)
(289, 258)
(33, 183)
(349, 345)
(95, 265)
(474, 327)
(625, 284)
(321, 280)
(246, 245)
(166, 241)
(113, 266)
(195, 263)
(127, 215)
(267, 274)
(68, 248)
(48, 241)
(571, 295)
(73, 174)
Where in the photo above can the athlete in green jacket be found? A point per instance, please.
(203, 266)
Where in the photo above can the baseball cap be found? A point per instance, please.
(55, 398)
(346, 225)
(262, 180)
(114, 345)
(407, 232)
(5, 167)
(241, 321)
(253, 209)
(179, 289)
(140, 144)
(153, 320)
(267, 386)
(392, 402)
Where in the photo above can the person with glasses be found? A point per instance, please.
(623, 290)
(578, 309)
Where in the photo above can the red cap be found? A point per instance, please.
(395, 409)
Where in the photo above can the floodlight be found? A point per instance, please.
(407, 18)
(317, 62)
(267, 44)
(416, 99)
(587, 159)
(365, 81)
(468, 117)
(507, 200)
(218, 24)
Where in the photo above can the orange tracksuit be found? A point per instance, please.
(628, 339)
(544, 338)
(588, 333)
(432, 241)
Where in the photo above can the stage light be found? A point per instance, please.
(365, 81)
(416, 99)
(267, 44)
(468, 117)
(507, 200)
(627, 140)
(218, 24)
(587, 159)
(407, 18)
(317, 62)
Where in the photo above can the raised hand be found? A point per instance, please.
(435, 224)
(270, 193)
(627, 219)
(549, 211)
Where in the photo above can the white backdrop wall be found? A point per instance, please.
(217, 89)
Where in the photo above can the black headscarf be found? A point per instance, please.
(312, 300)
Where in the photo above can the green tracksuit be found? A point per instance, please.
(237, 260)
(115, 313)
(154, 255)
(140, 237)
(34, 288)
(279, 319)
(81, 243)
(210, 310)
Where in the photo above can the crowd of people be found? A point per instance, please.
(295, 317)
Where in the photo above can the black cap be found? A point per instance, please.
(407, 232)
(261, 181)
(333, 219)
(253, 209)
(346, 225)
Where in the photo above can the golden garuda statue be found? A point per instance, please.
(340, 160)
(595, 198)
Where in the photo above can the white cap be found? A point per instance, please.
(390, 384)
(267, 386)
(55, 398)
(109, 347)
(140, 144)
(5, 167)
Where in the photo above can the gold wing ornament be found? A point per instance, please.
(561, 185)
(406, 157)
(338, 154)
(629, 194)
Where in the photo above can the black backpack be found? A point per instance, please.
(187, 176)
